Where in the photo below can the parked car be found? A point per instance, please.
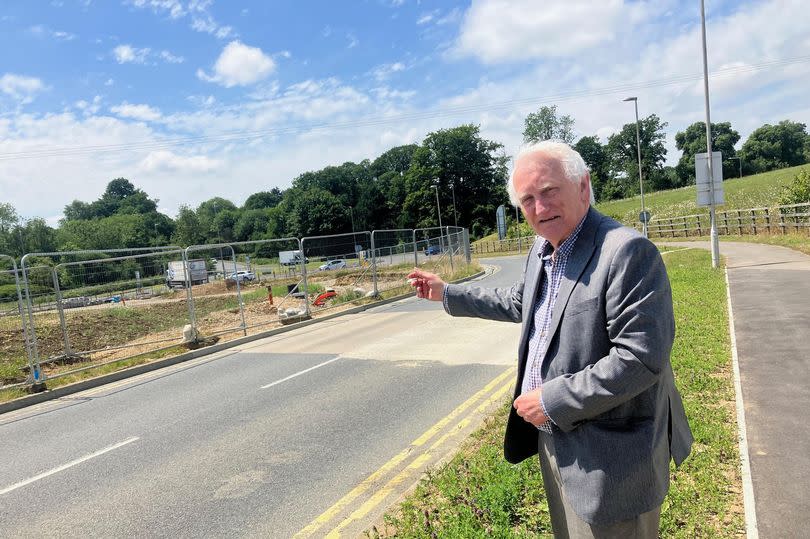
(433, 250)
(242, 276)
(338, 263)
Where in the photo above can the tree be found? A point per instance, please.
(211, 227)
(623, 157)
(798, 191)
(315, 212)
(595, 156)
(187, 228)
(775, 146)
(120, 197)
(546, 125)
(475, 167)
(397, 159)
(263, 199)
(693, 140)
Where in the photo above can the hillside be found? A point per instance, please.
(756, 191)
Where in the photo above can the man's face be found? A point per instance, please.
(552, 204)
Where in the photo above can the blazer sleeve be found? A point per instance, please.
(501, 304)
(641, 330)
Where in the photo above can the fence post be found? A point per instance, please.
(238, 291)
(768, 219)
(782, 221)
(754, 222)
(739, 222)
(725, 221)
(37, 378)
(192, 317)
(21, 311)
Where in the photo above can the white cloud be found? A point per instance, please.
(20, 87)
(136, 112)
(353, 41)
(173, 7)
(109, 82)
(128, 54)
(166, 161)
(43, 31)
(89, 108)
(427, 17)
(239, 65)
(171, 58)
(384, 71)
(513, 30)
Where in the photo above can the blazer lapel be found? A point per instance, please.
(531, 286)
(580, 255)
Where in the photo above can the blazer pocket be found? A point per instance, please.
(587, 305)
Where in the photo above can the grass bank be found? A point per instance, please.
(478, 494)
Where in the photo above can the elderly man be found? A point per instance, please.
(595, 393)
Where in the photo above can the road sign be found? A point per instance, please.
(702, 179)
(644, 216)
(500, 218)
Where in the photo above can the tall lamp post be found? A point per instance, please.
(455, 215)
(640, 179)
(713, 234)
(439, 212)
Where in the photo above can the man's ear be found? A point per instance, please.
(586, 190)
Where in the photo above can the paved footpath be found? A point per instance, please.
(770, 298)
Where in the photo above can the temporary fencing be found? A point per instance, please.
(66, 312)
(16, 353)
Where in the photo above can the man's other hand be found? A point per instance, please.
(428, 285)
(528, 407)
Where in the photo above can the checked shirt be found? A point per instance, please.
(553, 270)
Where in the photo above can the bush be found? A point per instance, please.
(798, 191)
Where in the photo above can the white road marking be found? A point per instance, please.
(290, 377)
(752, 532)
(70, 464)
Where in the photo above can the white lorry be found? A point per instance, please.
(291, 258)
(176, 274)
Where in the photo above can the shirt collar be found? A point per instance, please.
(546, 249)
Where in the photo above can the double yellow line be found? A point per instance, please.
(505, 379)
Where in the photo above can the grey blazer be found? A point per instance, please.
(607, 380)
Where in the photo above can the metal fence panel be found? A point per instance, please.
(253, 286)
(344, 272)
(77, 315)
(16, 359)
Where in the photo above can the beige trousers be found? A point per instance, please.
(567, 524)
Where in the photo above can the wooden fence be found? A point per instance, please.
(776, 220)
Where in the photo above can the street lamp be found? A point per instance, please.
(712, 215)
(739, 160)
(640, 180)
(455, 215)
(439, 212)
(354, 238)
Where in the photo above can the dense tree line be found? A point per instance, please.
(398, 189)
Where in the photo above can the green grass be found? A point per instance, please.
(794, 240)
(478, 494)
(757, 191)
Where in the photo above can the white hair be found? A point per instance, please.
(573, 166)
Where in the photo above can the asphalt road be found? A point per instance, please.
(256, 441)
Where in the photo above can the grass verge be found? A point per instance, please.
(795, 240)
(478, 494)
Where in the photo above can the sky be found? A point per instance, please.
(192, 99)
